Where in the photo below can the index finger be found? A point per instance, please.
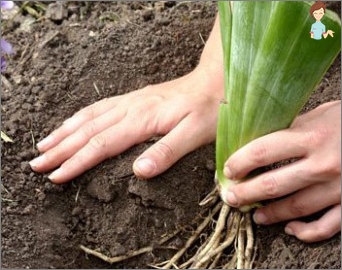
(271, 148)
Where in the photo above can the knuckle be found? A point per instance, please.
(298, 207)
(314, 138)
(270, 186)
(165, 151)
(258, 153)
(98, 142)
(137, 114)
(88, 129)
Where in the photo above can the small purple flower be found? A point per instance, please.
(5, 48)
(7, 4)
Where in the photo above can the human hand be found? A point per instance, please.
(184, 110)
(331, 33)
(311, 183)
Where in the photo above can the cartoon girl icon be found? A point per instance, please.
(317, 12)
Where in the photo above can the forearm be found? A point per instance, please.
(212, 55)
(211, 62)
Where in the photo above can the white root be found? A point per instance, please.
(214, 239)
(230, 232)
(228, 242)
(193, 238)
(117, 258)
(241, 245)
(250, 242)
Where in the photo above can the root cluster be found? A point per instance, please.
(222, 237)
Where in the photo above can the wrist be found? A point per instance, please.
(211, 78)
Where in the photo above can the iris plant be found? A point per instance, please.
(271, 67)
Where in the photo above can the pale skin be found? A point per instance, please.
(318, 14)
(313, 181)
(185, 111)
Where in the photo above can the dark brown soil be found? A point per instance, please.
(120, 47)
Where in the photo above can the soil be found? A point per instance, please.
(119, 47)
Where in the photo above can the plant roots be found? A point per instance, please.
(224, 236)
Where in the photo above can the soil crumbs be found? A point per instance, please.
(119, 47)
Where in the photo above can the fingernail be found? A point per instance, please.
(145, 166)
(56, 174)
(37, 161)
(231, 199)
(260, 218)
(289, 231)
(227, 172)
(45, 142)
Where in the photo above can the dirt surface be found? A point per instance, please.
(119, 47)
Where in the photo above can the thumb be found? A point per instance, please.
(183, 139)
